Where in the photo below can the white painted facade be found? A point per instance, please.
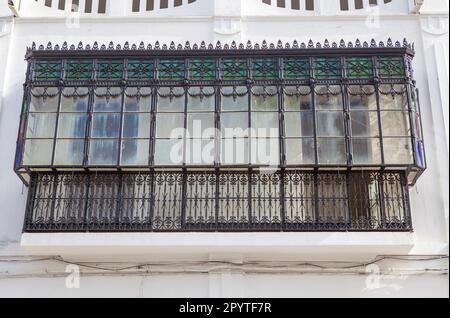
(231, 264)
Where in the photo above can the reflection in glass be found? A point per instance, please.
(364, 124)
(234, 125)
(265, 151)
(366, 151)
(330, 124)
(74, 99)
(234, 98)
(264, 98)
(137, 99)
(328, 98)
(41, 125)
(234, 151)
(167, 123)
(299, 124)
(397, 151)
(393, 97)
(103, 152)
(105, 125)
(263, 122)
(171, 99)
(331, 150)
(135, 152)
(201, 99)
(136, 125)
(200, 125)
(44, 99)
(300, 151)
(72, 125)
(69, 152)
(108, 99)
(395, 123)
(38, 152)
(168, 152)
(200, 151)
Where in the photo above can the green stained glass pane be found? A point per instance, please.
(79, 69)
(202, 69)
(233, 69)
(110, 69)
(296, 68)
(361, 67)
(140, 69)
(265, 68)
(47, 70)
(391, 66)
(171, 69)
(327, 67)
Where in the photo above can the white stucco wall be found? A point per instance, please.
(240, 21)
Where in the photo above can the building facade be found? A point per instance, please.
(224, 148)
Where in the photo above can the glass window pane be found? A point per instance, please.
(297, 98)
(300, 151)
(393, 97)
(397, 151)
(362, 97)
(265, 124)
(138, 99)
(366, 151)
(330, 124)
(265, 151)
(106, 125)
(103, 152)
(234, 124)
(201, 99)
(200, 151)
(135, 152)
(136, 125)
(108, 99)
(264, 98)
(38, 152)
(44, 99)
(299, 124)
(69, 152)
(41, 125)
(200, 125)
(395, 123)
(171, 99)
(74, 99)
(72, 125)
(328, 98)
(234, 151)
(364, 124)
(332, 151)
(234, 98)
(168, 152)
(167, 123)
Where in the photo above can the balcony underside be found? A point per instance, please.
(218, 201)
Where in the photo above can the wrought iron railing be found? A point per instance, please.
(218, 201)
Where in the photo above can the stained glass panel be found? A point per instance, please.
(47, 70)
(296, 68)
(202, 69)
(140, 69)
(110, 69)
(79, 69)
(233, 69)
(327, 67)
(265, 68)
(359, 67)
(172, 69)
(391, 66)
